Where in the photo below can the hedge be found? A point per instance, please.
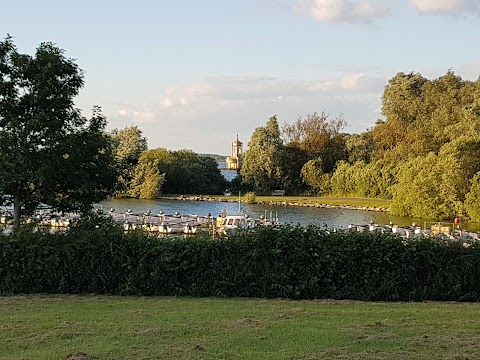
(287, 262)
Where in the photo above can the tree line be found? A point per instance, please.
(424, 156)
(145, 173)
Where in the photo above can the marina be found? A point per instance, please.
(159, 223)
(165, 216)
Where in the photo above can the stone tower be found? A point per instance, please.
(234, 162)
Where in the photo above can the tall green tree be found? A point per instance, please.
(313, 175)
(147, 182)
(50, 153)
(150, 174)
(262, 162)
(422, 115)
(128, 145)
(319, 137)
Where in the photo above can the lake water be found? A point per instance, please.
(329, 218)
(227, 174)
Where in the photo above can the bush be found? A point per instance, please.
(250, 198)
(268, 262)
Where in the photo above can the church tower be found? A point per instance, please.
(234, 162)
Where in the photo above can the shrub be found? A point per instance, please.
(250, 198)
(287, 261)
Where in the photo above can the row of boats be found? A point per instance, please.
(177, 223)
(436, 229)
(160, 223)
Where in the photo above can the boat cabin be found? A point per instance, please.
(235, 221)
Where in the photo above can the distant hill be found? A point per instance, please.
(215, 156)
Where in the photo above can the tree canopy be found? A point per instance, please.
(128, 145)
(262, 162)
(423, 155)
(51, 154)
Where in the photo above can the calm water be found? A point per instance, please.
(329, 218)
(227, 174)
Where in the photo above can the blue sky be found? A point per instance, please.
(194, 74)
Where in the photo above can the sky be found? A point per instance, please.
(195, 74)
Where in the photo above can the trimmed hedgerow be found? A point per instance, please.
(287, 262)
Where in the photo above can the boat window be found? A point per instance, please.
(236, 222)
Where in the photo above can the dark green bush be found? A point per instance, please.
(287, 262)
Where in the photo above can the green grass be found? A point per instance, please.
(99, 327)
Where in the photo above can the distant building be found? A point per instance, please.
(234, 162)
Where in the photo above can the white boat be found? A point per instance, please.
(164, 228)
(189, 229)
(233, 222)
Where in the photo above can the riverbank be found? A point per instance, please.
(366, 204)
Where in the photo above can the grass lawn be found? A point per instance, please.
(101, 327)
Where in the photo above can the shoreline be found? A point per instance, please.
(277, 203)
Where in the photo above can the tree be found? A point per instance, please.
(292, 161)
(472, 199)
(422, 115)
(51, 154)
(128, 146)
(176, 172)
(319, 137)
(359, 147)
(261, 167)
(147, 182)
(190, 173)
(313, 175)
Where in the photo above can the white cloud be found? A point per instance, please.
(446, 7)
(254, 89)
(205, 116)
(139, 116)
(363, 11)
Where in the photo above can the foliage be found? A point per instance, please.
(50, 153)
(292, 161)
(262, 162)
(189, 173)
(423, 115)
(250, 197)
(423, 156)
(270, 262)
(472, 199)
(436, 186)
(359, 147)
(175, 172)
(128, 146)
(317, 136)
(312, 174)
(417, 192)
(147, 181)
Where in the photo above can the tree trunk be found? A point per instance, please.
(17, 209)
